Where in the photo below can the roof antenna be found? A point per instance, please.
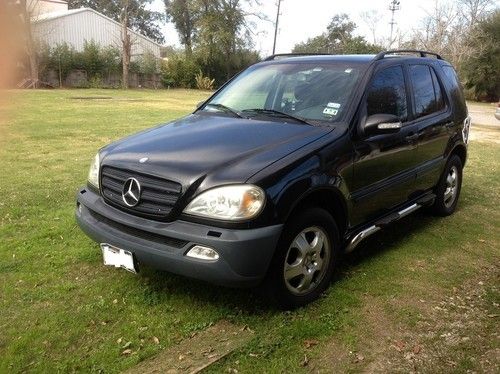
(395, 5)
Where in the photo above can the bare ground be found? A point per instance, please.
(485, 133)
(198, 352)
(454, 333)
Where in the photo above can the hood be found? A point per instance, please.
(209, 149)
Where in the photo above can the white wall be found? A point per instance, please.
(78, 26)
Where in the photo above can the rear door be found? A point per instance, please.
(384, 165)
(433, 117)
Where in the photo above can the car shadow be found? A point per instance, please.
(252, 302)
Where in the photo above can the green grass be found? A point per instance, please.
(61, 310)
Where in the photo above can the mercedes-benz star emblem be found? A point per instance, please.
(131, 192)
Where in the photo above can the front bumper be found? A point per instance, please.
(244, 255)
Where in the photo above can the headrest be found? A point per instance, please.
(301, 91)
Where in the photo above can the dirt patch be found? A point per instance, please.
(487, 133)
(455, 333)
(198, 352)
(483, 113)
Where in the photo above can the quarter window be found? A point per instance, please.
(426, 90)
(437, 92)
(387, 94)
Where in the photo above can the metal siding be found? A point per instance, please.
(75, 28)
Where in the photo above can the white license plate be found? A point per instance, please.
(118, 257)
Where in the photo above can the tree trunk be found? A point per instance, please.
(126, 46)
(30, 44)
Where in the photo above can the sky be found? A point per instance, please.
(302, 19)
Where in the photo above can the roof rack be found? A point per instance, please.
(278, 55)
(381, 55)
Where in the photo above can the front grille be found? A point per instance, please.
(158, 196)
(146, 235)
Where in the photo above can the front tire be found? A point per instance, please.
(448, 188)
(305, 258)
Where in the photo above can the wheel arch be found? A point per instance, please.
(461, 151)
(327, 198)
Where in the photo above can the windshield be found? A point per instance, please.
(308, 91)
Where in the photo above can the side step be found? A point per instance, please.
(363, 234)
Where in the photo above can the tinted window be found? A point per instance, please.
(452, 76)
(387, 94)
(437, 92)
(456, 90)
(423, 91)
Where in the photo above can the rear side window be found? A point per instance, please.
(426, 90)
(437, 92)
(387, 94)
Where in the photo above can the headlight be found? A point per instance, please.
(233, 203)
(93, 178)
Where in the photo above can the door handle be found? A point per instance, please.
(411, 138)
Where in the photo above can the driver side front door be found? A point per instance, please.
(384, 164)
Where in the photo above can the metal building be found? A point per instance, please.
(75, 26)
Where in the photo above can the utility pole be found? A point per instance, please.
(395, 5)
(276, 26)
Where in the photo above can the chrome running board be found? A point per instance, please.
(360, 236)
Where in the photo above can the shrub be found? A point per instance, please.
(180, 71)
(91, 59)
(148, 63)
(204, 83)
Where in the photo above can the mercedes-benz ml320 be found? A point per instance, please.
(288, 165)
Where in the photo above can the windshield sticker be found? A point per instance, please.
(330, 112)
(333, 105)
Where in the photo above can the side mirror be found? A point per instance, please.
(382, 124)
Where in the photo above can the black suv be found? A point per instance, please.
(288, 165)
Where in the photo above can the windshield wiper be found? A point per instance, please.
(225, 109)
(277, 113)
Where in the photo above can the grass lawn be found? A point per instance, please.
(62, 310)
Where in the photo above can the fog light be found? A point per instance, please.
(203, 253)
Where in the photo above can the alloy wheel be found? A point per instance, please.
(307, 260)
(450, 192)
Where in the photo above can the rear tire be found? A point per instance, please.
(305, 258)
(448, 188)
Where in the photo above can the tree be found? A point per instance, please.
(481, 68)
(140, 19)
(338, 39)
(184, 14)
(25, 11)
(126, 42)
(216, 34)
(448, 28)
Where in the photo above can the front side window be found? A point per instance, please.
(311, 91)
(387, 93)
